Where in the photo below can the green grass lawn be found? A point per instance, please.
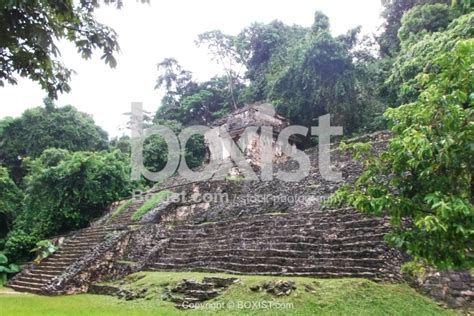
(332, 297)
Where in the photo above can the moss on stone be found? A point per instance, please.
(150, 204)
(119, 210)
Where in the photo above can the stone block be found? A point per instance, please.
(468, 293)
(459, 286)
(437, 293)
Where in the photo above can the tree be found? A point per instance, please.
(264, 44)
(177, 84)
(315, 78)
(155, 150)
(29, 31)
(463, 6)
(210, 100)
(426, 175)
(40, 128)
(424, 19)
(224, 51)
(10, 201)
(418, 53)
(393, 13)
(370, 73)
(174, 79)
(191, 102)
(65, 191)
(121, 143)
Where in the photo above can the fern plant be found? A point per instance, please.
(43, 249)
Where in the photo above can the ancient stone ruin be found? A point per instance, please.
(253, 118)
(265, 228)
(189, 293)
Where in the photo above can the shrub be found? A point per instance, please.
(426, 175)
(43, 249)
(6, 268)
(66, 194)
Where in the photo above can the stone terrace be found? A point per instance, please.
(255, 237)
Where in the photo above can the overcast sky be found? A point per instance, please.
(149, 33)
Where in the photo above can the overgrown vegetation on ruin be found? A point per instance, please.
(59, 170)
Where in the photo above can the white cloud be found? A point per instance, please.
(149, 33)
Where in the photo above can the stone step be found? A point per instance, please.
(194, 293)
(28, 283)
(123, 223)
(265, 268)
(183, 301)
(103, 229)
(72, 252)
(199, 286)
(47, 270)
(289, 225)
(288, 218)
(64, 258)
(45, 275)
(201, 295)
(357, 241)
(78, 247)
(125, 217)
(28, 289)
(85, 238)
(129, 210)
(94, 236)
(59, 259)
(41, 275)
(68, 256)
(309, 232)
(81, 245)
(59, 265)
(95, 232)
(33, 279)
(281, 261)
(297, 250)
(127, 213)
(332, 214)
(273, 252)
(282, 221)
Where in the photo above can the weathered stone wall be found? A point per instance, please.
(142, 240)
(99, 265)
(455, 289)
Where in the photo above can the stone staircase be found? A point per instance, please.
(126, 217)
(34, 278)
(337, 243)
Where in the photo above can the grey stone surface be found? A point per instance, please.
(453, 288)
